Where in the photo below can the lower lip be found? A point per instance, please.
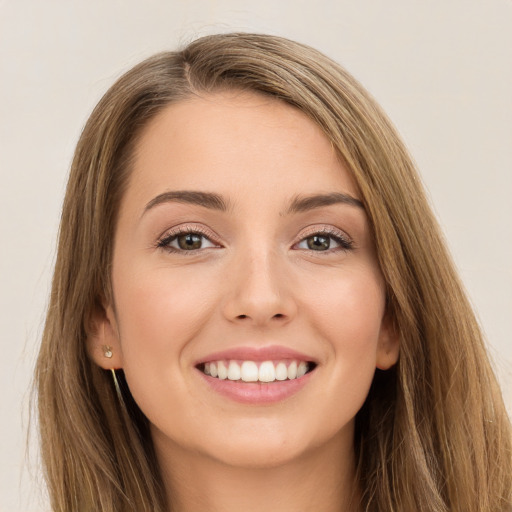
(257, 392)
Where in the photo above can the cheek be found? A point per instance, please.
(349, 306)
(349, 316)
(159, 313)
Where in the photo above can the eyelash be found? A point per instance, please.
(164, 243)
(344, 243)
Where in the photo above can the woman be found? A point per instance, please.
(253, 307)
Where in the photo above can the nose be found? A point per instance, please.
(259, 291)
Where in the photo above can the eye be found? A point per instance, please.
(323, 242)
(186, 241)
(316, 243)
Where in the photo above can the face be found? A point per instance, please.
(248, 310)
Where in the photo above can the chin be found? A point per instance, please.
(271, 447)
(261, 455)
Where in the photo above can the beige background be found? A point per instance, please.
(442, 69)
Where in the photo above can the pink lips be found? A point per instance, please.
(273, 352)
(256, 392)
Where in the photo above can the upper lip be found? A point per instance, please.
(267, 353)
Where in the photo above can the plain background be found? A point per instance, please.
(441, 69)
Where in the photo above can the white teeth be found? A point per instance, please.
(233, 371)
(251, 371)
(281, 372)
(292, 370)
(222, 371)
(302, 369)
(267, 372)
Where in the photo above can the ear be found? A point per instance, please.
(103, 343)
(388, 347)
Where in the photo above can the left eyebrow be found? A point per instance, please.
(305, 203)
(205, 199)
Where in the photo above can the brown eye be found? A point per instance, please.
(325, 242)
(186, 241)
(319, 242)
(189, 241)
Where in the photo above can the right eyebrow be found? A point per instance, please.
(306, 203)
(206, 199)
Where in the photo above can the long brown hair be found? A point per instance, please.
(433, 434)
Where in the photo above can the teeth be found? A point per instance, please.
(302, 369)
(267, 372)
(281, 372)
(222, 371)
(292, 370)
(251, 371)
(233, 371)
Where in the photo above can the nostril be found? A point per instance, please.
(256, 318)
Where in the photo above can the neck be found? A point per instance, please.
(321, 480)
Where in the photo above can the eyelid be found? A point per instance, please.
(347, 242)
(181, 229)
(323, 229)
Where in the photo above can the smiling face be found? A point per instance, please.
(242, 259)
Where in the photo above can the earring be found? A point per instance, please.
(107, 351)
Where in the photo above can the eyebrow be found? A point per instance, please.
(305, 203)
(215, 201)
(206, 199)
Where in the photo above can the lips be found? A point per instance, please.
(256, 375)
(268, 353)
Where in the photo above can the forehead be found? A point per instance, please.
(236, 143)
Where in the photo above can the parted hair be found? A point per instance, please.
(433, 434)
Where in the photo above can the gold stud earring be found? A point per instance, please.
(107, 351)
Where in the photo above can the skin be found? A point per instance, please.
(253, 282)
